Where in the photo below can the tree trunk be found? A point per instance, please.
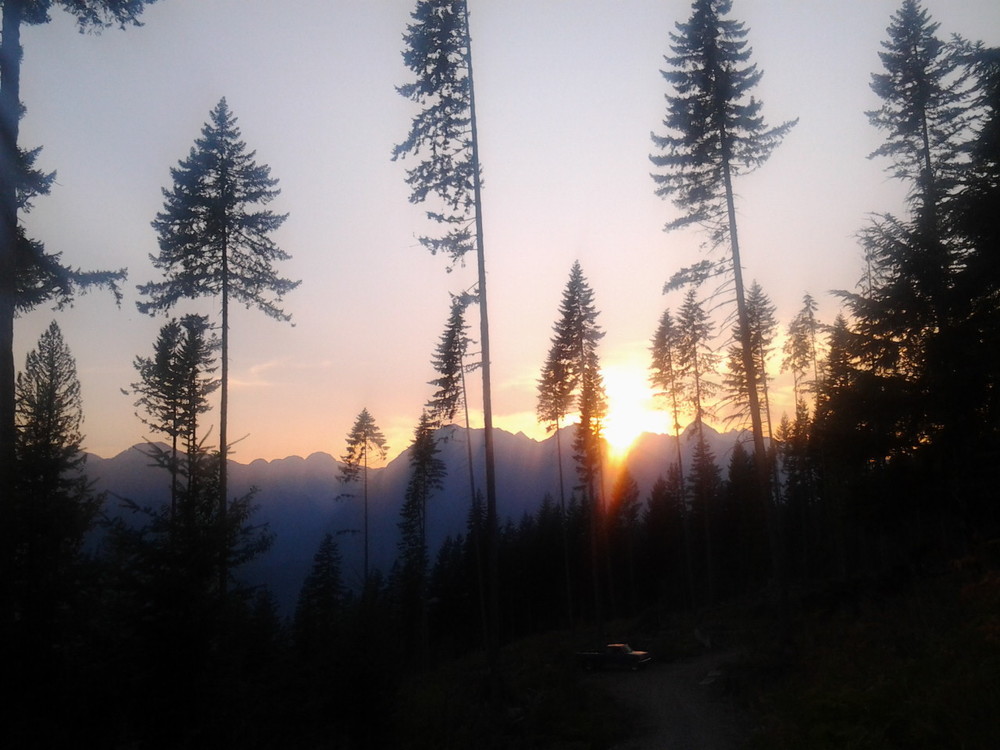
(10, 112)
(493, 640)
(224, 426)
(565, 528)
(364, 478)
(761, 461)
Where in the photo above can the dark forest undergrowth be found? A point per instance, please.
(882, 663)
(915, 666)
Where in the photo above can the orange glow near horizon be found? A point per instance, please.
(631, 408)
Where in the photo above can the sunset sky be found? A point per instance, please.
(567, 94)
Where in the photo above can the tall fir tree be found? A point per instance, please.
(666, 374)
(444, 135)
(924, 110)
(697, 362)
(365, 444)
(173, 389)
(29, 275)
(321, 603)
(763, 330)
(214, 234)
(54, 502)
(571, 379)
(427, 473)
(714, 133)
(909, 315)
(706, 485)
(449, 363)
(801, 351)
(977, 283)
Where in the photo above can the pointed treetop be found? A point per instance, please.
(364, 440)
(713, 123)
(449, 363)
(213, 229)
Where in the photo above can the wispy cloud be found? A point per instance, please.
(276, 372)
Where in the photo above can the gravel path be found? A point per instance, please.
(681, 705)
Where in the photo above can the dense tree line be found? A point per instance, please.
(131, 626)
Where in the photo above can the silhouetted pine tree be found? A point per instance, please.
(698, 364)
(320, 611)
(215, 240)
(799, 491)
(451, 393)
(173, 392)
(438, 50)
(668, 542)
(849, 429)
(706, 484)
(623, 537)
(714, 132)
(763, 329)
(903, 317)
(25, 269)
(52, 508)
(571, 378)
(427, 473)
(180, 620)
(365, 439)
(801, 354)
(449, 363)
(974, 435)
(665, 376)
(748, 556)
(696, 361)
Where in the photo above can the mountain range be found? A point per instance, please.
(301, 499)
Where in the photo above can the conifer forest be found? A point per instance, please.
(845, 553)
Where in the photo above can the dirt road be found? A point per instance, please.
(681, 705)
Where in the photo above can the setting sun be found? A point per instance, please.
(631, 410)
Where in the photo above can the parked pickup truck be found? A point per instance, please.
(613, 656)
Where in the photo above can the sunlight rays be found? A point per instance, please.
(631, 408)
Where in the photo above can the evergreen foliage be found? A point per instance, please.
(52, 504)
(697, 362)
(40, 277)
(363, 441)
(173, 389)
(663, 369)
(142, 633)
(801, 353)
(763, 330)
(321, 604)
(925, 108)
(28, 275)
(571, 377)
(214, 236)
(714, 128)
(449, 363)
(427, 475)
(715, 132)
(438, 51)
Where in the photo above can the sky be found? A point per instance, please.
(568, 92)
